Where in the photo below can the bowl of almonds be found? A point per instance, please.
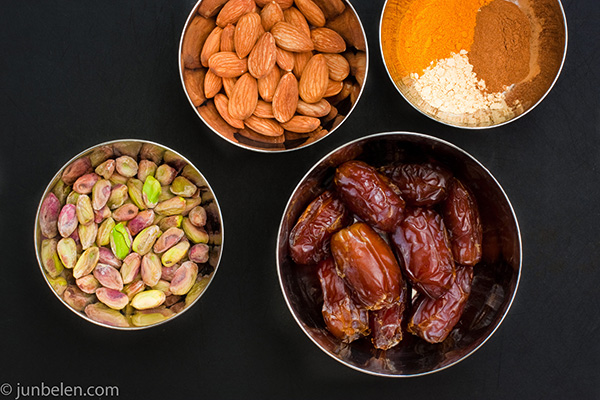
(128, 234)
(273, 75)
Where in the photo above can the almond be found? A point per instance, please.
(268, 84)
(331, 8)
(263, 56)
(316, 135)
(327, 40)
(290, 38)
(293, 16)
(332, 114)
(300, 61)
(263, 109)
(354, 93)
(301, 124)
(209, 8)
(314, 80)
(211, 116)
(244, 97)
(282, 3)
(227, 42)
(292, 136)
(211, 46)
(272, 141)
(358, 65)
(348, 26)
(229, 83)
(319, 109)
(333, 88)
(212, 84)
(343, 94)
(194, 85)
(339, 68)
(247, 32)
(285, 59)
(193, 41)
(270, 15)
(222, 105)
(227, 64)
(233, 10)
(285, 99)
(313, 13)
(264, 126)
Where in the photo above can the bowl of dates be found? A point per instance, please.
(128, 234)
(399, 254)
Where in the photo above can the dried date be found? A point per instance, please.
(369, 194)
(368, 266)
(420, 184)
(434, 319)
(386, 324)
(422, 244)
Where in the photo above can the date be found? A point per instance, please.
(461, 217)
(310, 237)
(344, 319)
(422, 244)
(420, 184)
(434, 319)
(368, 266)
(386, 324)
(369, 194)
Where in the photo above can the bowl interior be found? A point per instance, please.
(548, 45)
(495, 278)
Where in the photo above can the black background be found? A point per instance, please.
(77, 73)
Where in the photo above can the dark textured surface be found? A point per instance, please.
(76, 73)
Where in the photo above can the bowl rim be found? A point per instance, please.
(38, 239)
(562, 63)
(193, 13)
(387, 135)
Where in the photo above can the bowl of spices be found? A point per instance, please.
(473, 63)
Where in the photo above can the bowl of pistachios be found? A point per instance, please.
(128, 234)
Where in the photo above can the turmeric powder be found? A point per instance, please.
(434, 29)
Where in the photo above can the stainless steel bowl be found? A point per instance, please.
(495, 282)
(210, 203)
(344, 108)
(556, 30)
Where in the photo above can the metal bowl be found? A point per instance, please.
(208, 114)
(495, 281)
(132, 147)
(555, 33)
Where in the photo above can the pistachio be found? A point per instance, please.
(85, 183)
(49, 211)
(135, 187)
(106, 169)
(134, 288)
(74, 297)
(101, 193)
(101, 214)
(169, 272)
(178, 307)
(126, 166)
(165, 174)
(88, 284)
(173, 221)
(197, 216)
(174, 160)
(50, 259)
(141, 221)
(120, 241)
(165, 193)
(151, 192)
(170, 238)
(130, 267)
(163, 286)
(196, 290)
(151, 152)
(173, 206)
(108, 276)
(112, 298)
(59, 284)
(195, 234)
(84, 210)
(67, 252)
(104, 231)
(148, 299)
(151, 269)
(87, 262)
(72, 198)
(193, 175)
(118, 179)
(104, 315)
(146, 168)
(172, 299)
(67, 220)
(125, 213)
(131, 149)
(101, 154)
(87, 234)
(215, 238)
(190, 204)
(139, 319)
(77, 168)
(199, 253)
(181, 186)
(106, 256)
(175, 253)
(118, 196)
(61, 190)
(184, 278)
(143, 242)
